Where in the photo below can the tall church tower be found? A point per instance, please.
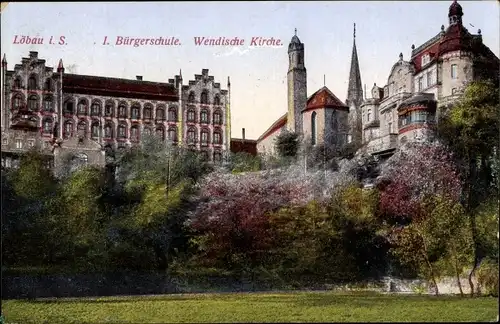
(297, 85)
(354, 96)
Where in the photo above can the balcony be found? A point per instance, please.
(382, 144)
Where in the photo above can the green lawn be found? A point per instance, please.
(253, 307)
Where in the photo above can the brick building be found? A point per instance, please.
(84, 117)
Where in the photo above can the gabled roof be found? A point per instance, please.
(274, 127)
(324, 98)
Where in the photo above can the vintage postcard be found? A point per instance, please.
(301, 150)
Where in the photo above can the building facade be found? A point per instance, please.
(405, 109)
(86, 117)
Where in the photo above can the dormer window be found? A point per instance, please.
(426, 58)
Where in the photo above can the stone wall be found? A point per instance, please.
(112, 284)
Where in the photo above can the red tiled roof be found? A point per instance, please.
(455, 38)
(274, 127)
(86, 84)
(324, 98)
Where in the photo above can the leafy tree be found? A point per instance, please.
(471, 129)
(409, 181)
(26, 196)
(245, 162)
(232, 216)
(33, 179)
(155, 183)
(287, 144)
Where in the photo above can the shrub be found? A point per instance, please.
(487, 277)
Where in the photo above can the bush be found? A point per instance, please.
(487, 277)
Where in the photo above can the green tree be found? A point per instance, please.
(27, 193)
(245, 162)
(287, 145)
(471, 129)
(155, 183)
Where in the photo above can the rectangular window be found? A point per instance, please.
(429, 79)
(454, 70)
(420, 84)
(19, 144)
(425, 59)
(390, 128)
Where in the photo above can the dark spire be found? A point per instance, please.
(4, 60)
(355, 88)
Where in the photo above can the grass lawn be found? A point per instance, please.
(253, 307)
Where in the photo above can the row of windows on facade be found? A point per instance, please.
(430, 80)
(415, 116)
(33, 83)
(48, 86)
(122, 111)
(95, 132)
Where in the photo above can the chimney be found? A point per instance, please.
(138, 77)
(243, 133)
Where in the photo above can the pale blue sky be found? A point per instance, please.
(258, 75)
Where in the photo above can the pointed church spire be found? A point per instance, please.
(355, 88)
(4, 60)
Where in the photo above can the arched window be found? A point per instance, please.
(217, 100)
(204, 137)
(48, 85)
(95, 129)
(68, 129)
(172, 114)
(47, 125)
(32, 84)
(147, 111)
(160, 114)
(313, 128)
(147, 131)
(160, 132)
(191, 97)
(172, 134)
(17, 83)
(368, 115)
(134, 133)
(122, 111)
(82, 107)
(217, 118)
(82, 129)
(33, 103)
(108, 110)
(95, 110)
(47, 103)
(108, 131)
(191, 117)
(18, 101)
(191, 135)
(204, 116)
(217, 137)
(122, 131)
(135, 113)
(204, 97)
